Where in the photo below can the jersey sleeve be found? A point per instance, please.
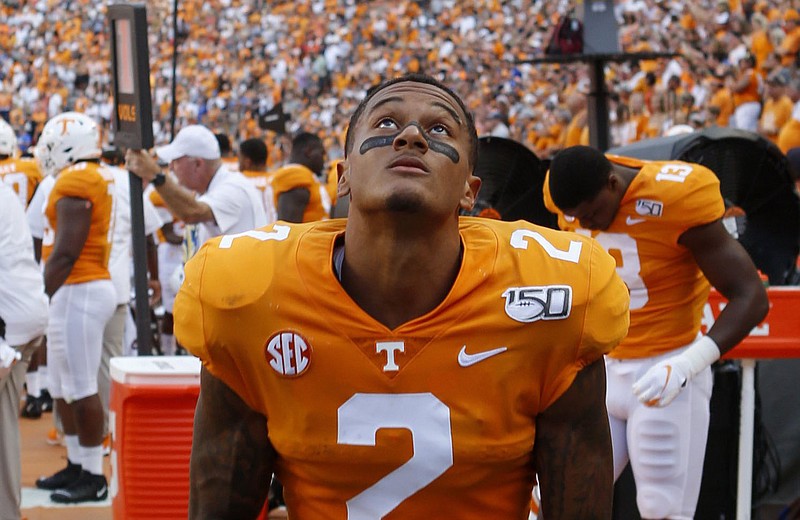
(700, 202)
(152, 220)
(80, 184)
(201, 324)
(227, 201)
(35, 211)
(607, 317)
(548, 199)
(291, 177)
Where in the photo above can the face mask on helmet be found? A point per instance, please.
(8, 140)
(66, 139)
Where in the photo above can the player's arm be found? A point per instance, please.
(170, 235)
(180, 201)
(74, 218)
(730, 270)
(232, 459)
(572, 452)
(292, 204)
(37, 249)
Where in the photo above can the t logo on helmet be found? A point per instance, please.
(64, 123)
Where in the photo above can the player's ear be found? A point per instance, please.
(343, 176)
(471, 188)
(614, 182)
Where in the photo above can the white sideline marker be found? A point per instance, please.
(35, 497)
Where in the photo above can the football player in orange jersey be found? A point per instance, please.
(661, 220)
(228, 157)
(405, 362)
(298, 192)
(76, 246)
(21, 174)
(253, 155)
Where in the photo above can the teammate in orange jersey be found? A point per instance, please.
(76, 246)
(298, 192)
(405, 362)
(21, 174)
(253, 157)
(661, 220)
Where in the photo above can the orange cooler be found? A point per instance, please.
(152, 407)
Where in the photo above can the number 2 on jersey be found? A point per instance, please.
(428, 420)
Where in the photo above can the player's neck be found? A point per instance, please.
(396, 278)
(626, 175)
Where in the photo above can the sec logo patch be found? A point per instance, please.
(288, 353)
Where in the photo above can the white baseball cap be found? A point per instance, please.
(192, 141)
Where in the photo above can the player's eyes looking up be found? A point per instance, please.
(438, 129)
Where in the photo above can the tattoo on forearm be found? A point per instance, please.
(232, 460)
(573, 453)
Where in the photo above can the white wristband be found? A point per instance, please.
(700, 354)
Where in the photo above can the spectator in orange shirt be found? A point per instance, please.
(789, 135)
(721, 99)
(746, 88)
(777, 105)
(791, 43)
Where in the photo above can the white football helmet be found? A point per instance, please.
(66, 139)
(8, 139)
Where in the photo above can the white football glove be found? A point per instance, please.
(8, 356)
(664, 381)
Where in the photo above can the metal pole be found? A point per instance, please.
(143, 333)
(598, 106)
(174, 107)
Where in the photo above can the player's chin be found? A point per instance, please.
(405, 202)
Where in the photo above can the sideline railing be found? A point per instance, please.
(778, 336)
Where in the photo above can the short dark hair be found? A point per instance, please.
(224, 143)
(254, 149)
(303, 140)
(417, 78)
(577, 174)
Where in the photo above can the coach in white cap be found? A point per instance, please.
(210, 199)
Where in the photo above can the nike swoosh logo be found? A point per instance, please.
(633, 221)
(101, 491)
(466, 360)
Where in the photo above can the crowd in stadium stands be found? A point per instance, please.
(239, 58)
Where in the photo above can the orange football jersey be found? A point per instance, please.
(668, 290)
(434, 419)
(22, 175)
(94, 183)
(332, 181)
(294, 176)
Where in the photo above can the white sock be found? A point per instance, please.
(43, 380)
(73, 449)
(92, 459)
(32, 384)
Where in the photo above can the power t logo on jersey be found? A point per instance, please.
(288, 353)
(529, 304)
